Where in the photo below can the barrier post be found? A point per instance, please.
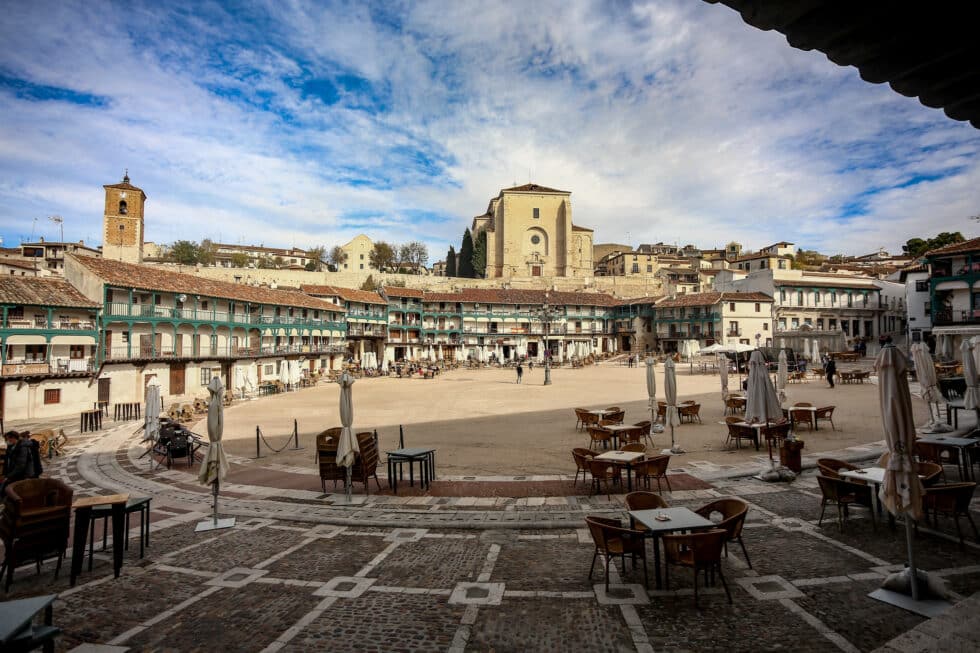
(258, 451)
(296, 446)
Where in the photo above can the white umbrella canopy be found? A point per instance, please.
(761, 401)
(347, 447)
(815, 352)
(712, 349)
(670, 391)
(971, 398)
(151, 411)
(723, 372)
(902, 488)
(215, 464)
(806, 348)
(295, 372)
(284, 372)
(925, 372)
(782, 370)
(651, 391)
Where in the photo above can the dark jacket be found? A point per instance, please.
(20, 465)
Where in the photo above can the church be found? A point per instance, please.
(530, 234)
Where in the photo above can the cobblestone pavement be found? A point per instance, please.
(301, 572)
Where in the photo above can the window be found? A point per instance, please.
(799, 298)
(76, 351)
(536, 213)
(204, 305)
(52, 396)
(765, 326)
(35, 352)
(267, 370)
(832, 324)
(922, 285)
(123, 208)
(535, 239)
(758, 307)
(782, 264)
(833, 297)
(649, 268)
(782, 295)
(362, 257)
(205, 375)
(636, 268)
(731, 306)
(362, 265)
(795, 323)
(850, 300)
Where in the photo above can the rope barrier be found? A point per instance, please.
(260, 440)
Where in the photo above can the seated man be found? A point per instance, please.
(18, 462)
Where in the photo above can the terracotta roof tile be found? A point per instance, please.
(347, 294)
(533, 188)
(128, 275)
(42, 291)
(971, 245)
(521, 296)
(398, 291)
(711, 298)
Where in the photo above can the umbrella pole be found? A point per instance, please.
(913, 572)
(214, 492)
(348, 484)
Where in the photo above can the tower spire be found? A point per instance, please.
(126, 176)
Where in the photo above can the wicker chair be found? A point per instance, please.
(690, 412)
(603, 471)
(734, 405)
(929, 473)
(653, 467)
(776, 433)
(831, 467)
(366, 463)
(933, 453)
(825, 414)
(739, 431)
(582, 457)
(615, 417)
(589, 419)
(326, 456)
(635, 447)
(580, 417)
(844, 494)
(34, 524)
(952, 500)
(797, 417)
(644, 501)
(612, 540)
(733, 512)
(699, 552)
(599, 435)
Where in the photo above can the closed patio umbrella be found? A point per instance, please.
(347, 448)
(651, 392)
(284, 372)
(902, 491)
(761, 400)
(723, 372)
(151, 415)
(782, 372)
(815, 353)
(295, 372)
(670, 391)
(215, 465)
(806, 348)
(925, 372)
(971, 398)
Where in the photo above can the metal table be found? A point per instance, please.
(962, 444)
(16, 631)
(681, 519)
(83, 517)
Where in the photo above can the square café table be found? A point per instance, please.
(681, 519)
(83, 517)
(954, 443)
(616, 429)
(425, 457)
(625, 458)
(16, 629)
(873, 475)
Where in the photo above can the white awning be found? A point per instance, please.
(22, 339)
(73, 340)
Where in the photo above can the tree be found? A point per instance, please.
(369, 283)
(317, 254)
(451, 262)
(807, 258)
(337, 256)
(382, 257)
(239, 260)
(464, 263)
(310, 266)
(916, 247)
(206, 252)
(404, 256)
(278, 262)
(184, 252)
(480, 254)
(415, 254)
(264, 263)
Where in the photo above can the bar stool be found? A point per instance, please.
(138, 504)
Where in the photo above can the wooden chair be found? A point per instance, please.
(613, 409)
(740, 431)
(843, 494)
(612, 540)
(582, 457)
(599, 435)
(34, 524)
(952, 500)
(653, 467)
(644, 501)
(797, 417)
(825, 414)
(690, 412)
(662, 412)
(603, 471)
(733, 512)
(699, 552)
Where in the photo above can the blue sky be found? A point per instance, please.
(306, 123)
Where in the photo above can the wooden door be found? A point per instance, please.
(104, 389)
(108, 344)
(177, 378)
(535, 270)
(146, 345)
(179, 345)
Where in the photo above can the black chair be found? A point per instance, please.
(176, 442)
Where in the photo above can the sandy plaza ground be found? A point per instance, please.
(485, 424)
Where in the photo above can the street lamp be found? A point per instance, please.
(546, 313)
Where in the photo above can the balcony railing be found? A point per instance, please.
(946, 317)
(42, 323)
(23, 367)
(164, 312)
(378, 331)
(733, 333)
(139, 352)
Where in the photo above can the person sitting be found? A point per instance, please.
(18, 464)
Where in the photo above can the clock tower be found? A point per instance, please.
(122, 223)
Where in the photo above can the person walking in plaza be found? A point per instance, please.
(831, 370)
(520, 372)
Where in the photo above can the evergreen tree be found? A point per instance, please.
(451, 262)
(464, 263)
(480, 254)
(369, 283)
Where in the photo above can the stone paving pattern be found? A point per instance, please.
(427, 574)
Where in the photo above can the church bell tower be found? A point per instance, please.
(122, 223)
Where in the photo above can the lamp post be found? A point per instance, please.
(546, 313)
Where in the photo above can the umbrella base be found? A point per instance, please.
(928, 608)
(214, 524)
(935, 427)
(341, 499)
(777, 474)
